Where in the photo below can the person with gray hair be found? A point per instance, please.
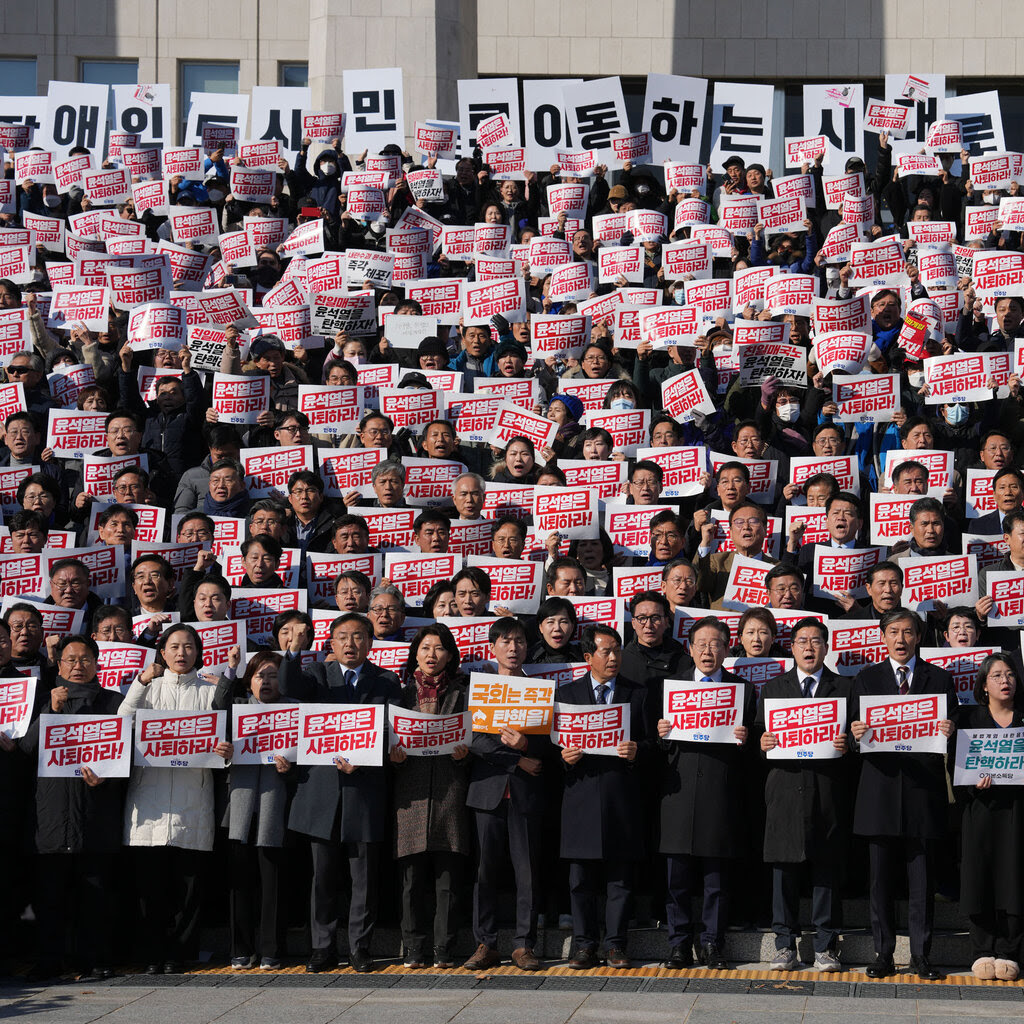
(30, 370)
(388, 482)
(386, 612)
(468, 495)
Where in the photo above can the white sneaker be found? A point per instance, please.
(827, 962)
(785, 960)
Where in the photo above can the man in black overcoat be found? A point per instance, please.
(342, 808)
(703, 824)
(901, 797)
(603, 824)
(807, 805)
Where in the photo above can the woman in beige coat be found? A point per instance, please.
(169, 811)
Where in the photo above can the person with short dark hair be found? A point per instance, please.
(77, 836)
(1008, 494)
(807, 820)
(901, 797)
(603, 825)
(702, 810)
(506, 795)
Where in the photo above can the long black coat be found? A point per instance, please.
(993, 834)
(70, 816)
(807, 802)
(329, 804)
(702, 792)
(902, 794)
(602, 804)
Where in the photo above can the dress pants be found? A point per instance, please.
(363, 866)
(502, 833)
(255, 896)
(591, 883)
(169, 881)
(887, 856)
(684, 874)
(429, 878)
(75, 888)
(824, 904)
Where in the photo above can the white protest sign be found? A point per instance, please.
(703, 712)
(805, 729)
(908, 724)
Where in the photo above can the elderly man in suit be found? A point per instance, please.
(602, 808)
(702, 809)
(506, 794)
(901, 797)
(343, 809)
(748, 527)
(807, 808)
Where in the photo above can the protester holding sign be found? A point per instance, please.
(901, 797)
(990, 892)
(432, 837)
(169, 811)
(702, 806)
(808, 801)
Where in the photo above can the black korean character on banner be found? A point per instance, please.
(76, 126)
(846, 144)
(549, 125)
(26, 119)
(275, 131)
(673, 121)
(220, 120)
(597, 123)
(373, 103)
(136, 120)
(978, 134)
(752, 128)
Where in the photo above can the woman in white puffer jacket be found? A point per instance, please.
(169, 816)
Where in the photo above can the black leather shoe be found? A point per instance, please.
(173, 967)
(154, 969)
(617, 959)
(321, 960)
(881, 968)
(584, 960)
(712, 957)
(361, 961)
(101, 973)
(679, 958)
(920, 966)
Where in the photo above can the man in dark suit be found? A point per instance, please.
(885, 591)
(506, 793)
(807, 809)
(343, 809)
(702, 809)
(1008, 492)
(901, 798)
(602, 810)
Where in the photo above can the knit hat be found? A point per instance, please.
(432, 346)
(265, 343)
(617, 192)
(509, 346)
(572, 404)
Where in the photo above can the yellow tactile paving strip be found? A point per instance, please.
(739, 974)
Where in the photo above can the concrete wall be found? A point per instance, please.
(754, 38)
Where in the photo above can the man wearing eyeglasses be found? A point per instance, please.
(311, 518)
(652, 655)
(808, 809)
(70, 587)
(703, 826)
(748, 526)
(25, 623)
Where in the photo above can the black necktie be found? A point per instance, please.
(808, 685)
(901, 677)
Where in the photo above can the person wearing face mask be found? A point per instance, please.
(782, 418)
(324, 183)
(265, 274)
(621, 397)
(174, 421)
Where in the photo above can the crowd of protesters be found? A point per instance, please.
(695, 835)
